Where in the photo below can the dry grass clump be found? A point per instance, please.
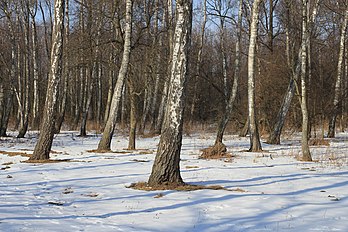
(217, 151)
(319, 142)
(15, 153)
(46, 161)
(171, 186)
(106, 151)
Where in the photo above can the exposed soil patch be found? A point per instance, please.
(177, 187)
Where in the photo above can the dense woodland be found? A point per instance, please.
(266, 65)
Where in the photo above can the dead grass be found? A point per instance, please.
(238, 190)
(90, 194)
(319, 142)
(99, 151)
(146, 152)
(178, 187)
(140, 161)
(15, 153)
(46, 161)
(191, 167)
(217, 151)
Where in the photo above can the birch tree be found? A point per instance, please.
(295, 70)
(166, 168)
(44, 143)
(306, 155)
(337, 96)
(255, 144)
(105, 142)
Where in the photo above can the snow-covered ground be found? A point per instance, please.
(271, 191)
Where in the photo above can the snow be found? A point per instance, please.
(270, 191)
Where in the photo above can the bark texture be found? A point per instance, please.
(166, 168)
(44, 144)
(255, 144)
(306, 155)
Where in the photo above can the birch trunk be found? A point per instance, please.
(166, 168)
(255, 144)
(306, 155)
(105, 142)
(110, 88)
(35, 58)
(229, 107)
(133, 116)
(162, 107)
(25, 77)
(44, 143)
(66, 72)
(336, 101)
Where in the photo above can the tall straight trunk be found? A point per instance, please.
(162, 108)
(199, 61)
(24, 112)
(44, 143)
(133, 116)
(166, 168)
(336, 101)
(35, 60)
(8, 98)
(306, 155)
(157, 56)
(48, 35)
(88, 99)
(110, 88)
(146, 110)
(66, 72)
(229, 107)
(105, 142)
(255, 144)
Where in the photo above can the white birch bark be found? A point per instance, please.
(255, 144)
(105, 142)
(35, 58)
(166, 168)
(162, 107)
(44, 143)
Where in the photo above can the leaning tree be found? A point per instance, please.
(166, 168)
(44, 144)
